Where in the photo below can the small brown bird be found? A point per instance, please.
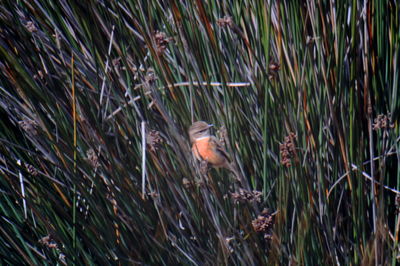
(206, 147)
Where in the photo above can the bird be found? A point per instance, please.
(206, 147)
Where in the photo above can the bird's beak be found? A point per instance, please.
(210, 125)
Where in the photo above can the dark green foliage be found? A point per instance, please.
(308, 94)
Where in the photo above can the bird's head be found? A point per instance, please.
(199, 129)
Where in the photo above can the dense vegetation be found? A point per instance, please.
(96, 98)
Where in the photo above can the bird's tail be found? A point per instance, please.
(239, 177)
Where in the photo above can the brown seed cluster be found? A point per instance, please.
(162, 41)
(92, 158)
(225, 21)
(116, 62)
(39, 75)
(223, 135)
(287, 149)
(154, 140)
(397, 203)
(382, 122)
(31, 169)
(29, 126)
(264, 223)
(273, 69)
(246, 196)
(48, 241)
(30, 26)
(150, 75)
(187, 183)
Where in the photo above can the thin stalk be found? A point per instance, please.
(75, 146)
(143, 126)
(371, 144)
(266, 51)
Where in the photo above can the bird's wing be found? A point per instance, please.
(218, 146)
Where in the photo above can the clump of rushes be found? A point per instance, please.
(96, 98)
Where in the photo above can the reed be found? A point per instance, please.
(96, 98)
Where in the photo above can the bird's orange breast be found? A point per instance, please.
(204, 149)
